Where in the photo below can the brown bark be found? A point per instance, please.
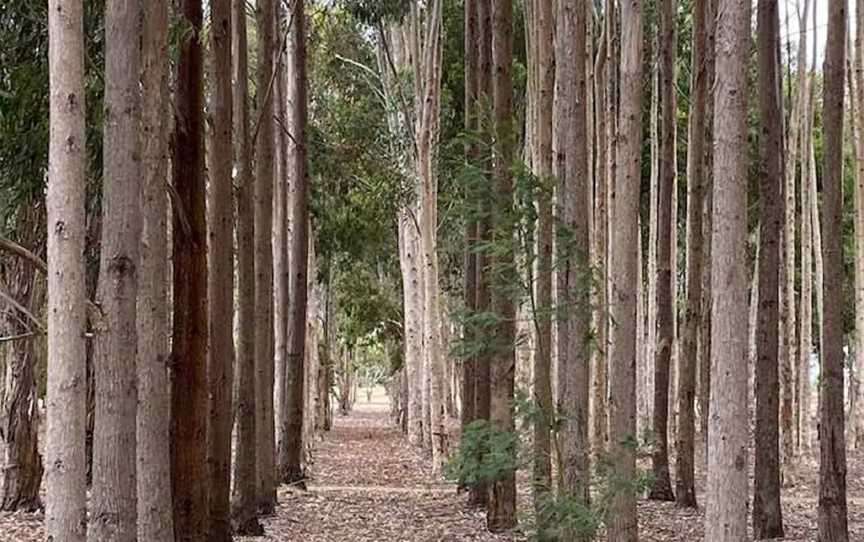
(543, 108)
(113, 501)
(244, 506)
(726, 509)
(264, 178)
(622, 362)
(501, 513)
(661, 488)
(685, 491)
(767, 514)
(189, 474)
(21, 477)
(65, 510)
(832, 516)
(221, 276)
(291, 448)
(856, 429)
(155, 520)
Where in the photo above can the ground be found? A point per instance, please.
(367, 485)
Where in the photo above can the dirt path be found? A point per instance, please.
(367, 485)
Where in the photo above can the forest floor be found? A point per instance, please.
(366, 484)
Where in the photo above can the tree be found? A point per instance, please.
(244, 506)
(685, 491)
(726, 509)
(767, 515)
(625, 241)
(114, 499)
(65, 510)
(264, 139)
(155, 520)
(501, 512)
(574, 311)
(832, 518)
(291, 448)
(221, 274)
(543, 107)
(661, 488)
(189, 475)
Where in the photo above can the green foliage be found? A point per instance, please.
(486, 454)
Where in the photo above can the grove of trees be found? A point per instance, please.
(614, 245)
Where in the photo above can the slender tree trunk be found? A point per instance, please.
(221, 286)
(264, 178)
(818, 288)
(622, 369)
(501, 514)
(113, 504)
(726, 510)
(291, 448)
(661, 488)
(767, 514)
(685, 490)
(66, 406)
(574, 313)
(244, 506)
(856, 430)
(832, 443)
(189, 347)
(479, 493)
(544, 105)
(155, 520)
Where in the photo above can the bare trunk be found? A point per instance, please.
(685, 490)
(291, 447)
(856, 429)
(624, 272)
(767, 514)
(832, 518)
(155, 520)
(726, 509)
(65, 510)
(113, 501)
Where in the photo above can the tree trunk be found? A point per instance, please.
(726, 510)
(291, 447)
(155, 520)
(189, 347)
(661, 488)
(501, 514)
(113, 501)
(685, 490)
(832, 519)
(622, 370)
(244, 506)
(264, 178)
(221, 285)
(21, 475)
(767, 514)
(818, 288)
(856, 430)
(66, 406)
(543, 107)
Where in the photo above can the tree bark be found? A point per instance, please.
(726, 510)
(291, 448)
(113, 503)
(767, 514)
(544, 105)
(189, 474)
(856, 430)
(501, 513)
(264, 178)
(832, 517)
(622, 362)
(21, 477)
(661, 488)
(65, 510)
(685, 490)
(155, 520)
(221, 277)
